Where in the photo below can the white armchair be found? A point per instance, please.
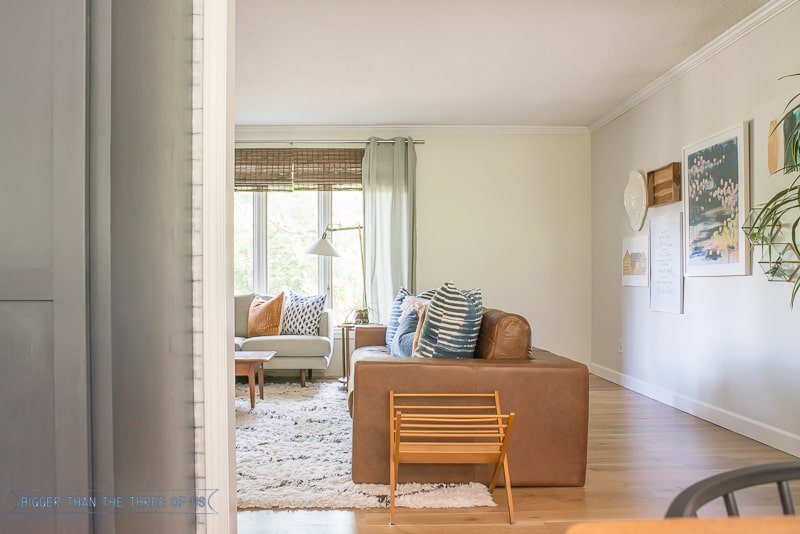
(304, 353)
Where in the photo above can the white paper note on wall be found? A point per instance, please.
(666, 269)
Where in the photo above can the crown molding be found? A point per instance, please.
(733, 34)
(255, 133)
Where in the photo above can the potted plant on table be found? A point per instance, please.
(781, 258)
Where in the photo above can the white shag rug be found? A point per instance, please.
(293, 451)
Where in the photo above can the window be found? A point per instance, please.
(242, 243)
(347, 284)
(292, 221)
(284, 199)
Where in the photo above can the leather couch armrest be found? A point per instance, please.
(369, 336)
(503, 336)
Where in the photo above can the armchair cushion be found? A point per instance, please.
(290, 345)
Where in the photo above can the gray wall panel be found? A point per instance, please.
(44, 442)
(27, 443)
(26, 133)
(141, 328)
(26, 284)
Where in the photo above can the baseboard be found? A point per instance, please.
(769, 435)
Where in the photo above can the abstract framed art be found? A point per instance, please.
(716, 199)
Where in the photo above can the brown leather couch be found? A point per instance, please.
(548, 394)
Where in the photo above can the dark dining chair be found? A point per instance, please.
(725, 484)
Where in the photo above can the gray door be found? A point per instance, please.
(44, 402)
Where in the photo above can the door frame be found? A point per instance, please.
(218, 447)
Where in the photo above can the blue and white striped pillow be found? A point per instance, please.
(452, 323)
(427, 294)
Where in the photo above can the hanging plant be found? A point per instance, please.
(764, 228)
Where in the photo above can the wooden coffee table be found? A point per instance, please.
(247, 362)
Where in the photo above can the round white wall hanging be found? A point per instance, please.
(635, 198)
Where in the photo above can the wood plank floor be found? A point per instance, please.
(641, 454)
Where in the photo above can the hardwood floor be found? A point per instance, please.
(641, 454)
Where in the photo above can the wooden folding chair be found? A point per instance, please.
(452, 429)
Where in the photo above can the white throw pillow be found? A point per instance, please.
(301, 314)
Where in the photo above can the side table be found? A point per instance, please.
(346, 329)
(247, 363)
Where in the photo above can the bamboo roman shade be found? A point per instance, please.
(298, 169)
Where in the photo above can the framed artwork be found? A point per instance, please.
(635, 261)
(664, 184)
(716, 200)
(769, 150)
(779, 154)
(666, 274)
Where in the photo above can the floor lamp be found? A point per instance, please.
(323, 247)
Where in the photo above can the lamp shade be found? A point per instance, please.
(323, 247)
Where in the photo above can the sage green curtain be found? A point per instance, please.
(389, 176)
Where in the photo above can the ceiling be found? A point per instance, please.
(461, 62)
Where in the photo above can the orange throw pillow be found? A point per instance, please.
(264, 318)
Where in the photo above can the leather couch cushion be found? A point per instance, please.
(503, 336)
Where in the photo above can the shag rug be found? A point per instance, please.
(293, 451)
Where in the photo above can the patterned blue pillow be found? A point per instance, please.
(301, 315)
(452, 323)
(394, 317)
(404, 338)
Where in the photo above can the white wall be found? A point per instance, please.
(510, 214)
(506, 210)
(733, 356)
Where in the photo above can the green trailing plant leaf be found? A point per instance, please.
(785, 204)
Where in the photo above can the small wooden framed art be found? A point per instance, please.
(664, 184)
(716, 198)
